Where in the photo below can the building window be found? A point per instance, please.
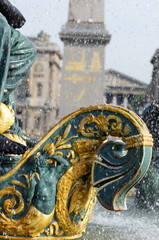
(19, 111)
(109, 98)
(39, 71)
(39, 67)
(37, 122)
(57, 112)
(120, 99)
(23, 91)
(20, 123)
(39, 89)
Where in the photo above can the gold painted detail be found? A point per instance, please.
(96, 64)
(87, 148)
(27, 179)
(60, 144)
(6, 117)
(32, 224)
(9, 204)
(77, 66)
(80, 66)
(34, 174)
(72, 156)
(41, 238)
(73, 195)
(81, 94)
(111, 125)
(18, 183)
(138, 140)
(75, 78)
(79, 198)
(54, 230)
(15, 138)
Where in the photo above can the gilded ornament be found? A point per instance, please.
(111, 125)
(6, 117)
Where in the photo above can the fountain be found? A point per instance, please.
(49, 191)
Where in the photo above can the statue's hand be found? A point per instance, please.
(61, 160)
(12, 14)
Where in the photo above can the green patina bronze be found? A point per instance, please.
(16, 57)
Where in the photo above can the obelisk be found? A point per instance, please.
(85, 37)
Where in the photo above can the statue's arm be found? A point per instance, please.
(61, 160)
(12, 14)
(31, 190)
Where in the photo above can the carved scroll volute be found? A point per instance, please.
(122, 161)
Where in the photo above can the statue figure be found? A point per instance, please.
(98, 152)
(42, 189)
(16, 58)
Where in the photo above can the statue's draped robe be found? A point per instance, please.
(17, 54)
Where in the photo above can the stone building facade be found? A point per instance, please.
(120, 89)
(37, 98)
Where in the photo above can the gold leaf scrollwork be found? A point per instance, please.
(10, 203)
(73, 159)
(27, 179)
(66, 131)
(111, 125)
(126, 130)
(88, 132)
(31, 223)
(79, 198)
(87, 148)
(18, 183)
(49, 148)
(65, 192)
(60, 144)
(54, 230)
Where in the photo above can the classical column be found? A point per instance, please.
(125, 103)
(84, 36)
(114, 102)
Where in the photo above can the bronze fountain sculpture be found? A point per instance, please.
(98, 152)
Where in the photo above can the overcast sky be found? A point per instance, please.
(134, 26)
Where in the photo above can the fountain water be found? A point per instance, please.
(133, 224)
